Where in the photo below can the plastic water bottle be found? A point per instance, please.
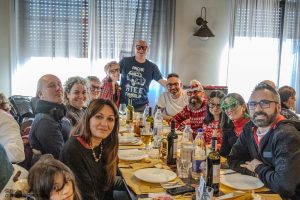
(158, 123)
(187, 145)
(199, 156)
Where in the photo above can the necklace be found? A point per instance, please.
(94, 154)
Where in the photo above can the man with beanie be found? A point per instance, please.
(195, 110)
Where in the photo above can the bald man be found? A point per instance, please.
(50, 129)
(136, 75)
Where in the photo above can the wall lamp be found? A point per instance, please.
(204, 32)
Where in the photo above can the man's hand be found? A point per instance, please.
(163, 82)
(251, 165)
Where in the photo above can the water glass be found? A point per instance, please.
(122, 109)
(183, 167)
(208, 193)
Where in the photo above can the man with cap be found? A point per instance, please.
(195, 110)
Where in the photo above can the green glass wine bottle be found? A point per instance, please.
(213, 168)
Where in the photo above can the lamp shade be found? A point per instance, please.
(203, 31)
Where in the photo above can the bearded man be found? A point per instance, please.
(174, 100)
(195, 111)
(269, 146)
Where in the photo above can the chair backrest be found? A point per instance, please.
(27, 149)
(22, 106)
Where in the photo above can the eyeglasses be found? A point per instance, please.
(94, 88)
(212, 105)
(139, 47)
(262, 103)
(169, 85)
(113, 71)
(227, 107)
(196, 92)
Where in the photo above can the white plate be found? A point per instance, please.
(125, 140)
(155, 175)
(132, 154)
(241, 182)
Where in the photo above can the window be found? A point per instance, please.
(78, 37)
(258, 48)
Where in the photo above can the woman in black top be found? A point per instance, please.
(91, 152)
(235, 116)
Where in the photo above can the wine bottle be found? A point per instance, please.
(129, 113)
(172, 145)
(213, 167)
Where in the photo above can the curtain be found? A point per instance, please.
(254, 44)
(78, 37)
(290, 61)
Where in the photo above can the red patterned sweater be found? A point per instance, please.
(208, 131)
(195, 118)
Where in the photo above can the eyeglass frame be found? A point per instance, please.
(214, 105)
(194, 92)
(170, 85)
(94, 88)
(139, 47)
(265, 101)
(113, 71)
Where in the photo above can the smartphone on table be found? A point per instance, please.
(180, 190)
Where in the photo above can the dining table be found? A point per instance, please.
(131, 161)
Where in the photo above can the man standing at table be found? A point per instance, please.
(136, 75)
(194, 112)
(174, 100)
(269, 146)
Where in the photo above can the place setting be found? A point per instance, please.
(239, 181)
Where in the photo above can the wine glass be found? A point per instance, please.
(122, 109)
(147, 138)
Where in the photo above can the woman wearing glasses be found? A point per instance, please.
(235, 108)
(110, 88)
(211, 122)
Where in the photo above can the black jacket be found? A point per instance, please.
(279, 150)
(49, 130)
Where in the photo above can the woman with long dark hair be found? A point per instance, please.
(91, 152)
(211, 123)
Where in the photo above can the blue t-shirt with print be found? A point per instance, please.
(135, 80)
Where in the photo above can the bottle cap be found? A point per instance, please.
(199, 130)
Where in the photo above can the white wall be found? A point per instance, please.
(205, 61)
(193, 58)
(4, 48)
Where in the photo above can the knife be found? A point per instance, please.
(227, 173)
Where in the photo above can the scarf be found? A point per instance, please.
(57, 111)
